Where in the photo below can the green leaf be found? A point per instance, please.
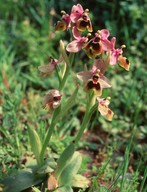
(71, 169)
(63, 52)
(51, 162)
(35, 189)
(45, 169)
(64, 159)
(20, 181)
(64, 189)
(80, 181)
(49, 166)
(35, 144)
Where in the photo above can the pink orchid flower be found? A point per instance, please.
(109, 46)
(95, 79)
(76, 12)
(47, 70)
(114, 53)
(67, 19)
(80, 18)
(52, 99)
(104, 109)
(94, 46)
(64, 24)
(106, 44)
(84, 22)
(123, 62)
(116, 56)
(77, 44)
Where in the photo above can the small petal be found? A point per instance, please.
(84, 76)
(113, 41)
(77, 44)
(107, 45)
(104, 33)
(76, 12)
(76, 33)
(105, 83)
(114, 56)
(46, 70)
(74, 46)
(98, 64)
(103, 110)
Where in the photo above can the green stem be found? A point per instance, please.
(58, 72)
(86, 118)
(68, 61)
(64, 79)
(83, 126)
(49, 134)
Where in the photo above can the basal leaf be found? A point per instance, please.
(70, 169)
(48, 167)
(64, 189)
(35, 144)
(64, 159)
(20, 181)
(80, 181)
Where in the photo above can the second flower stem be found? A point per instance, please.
(68, 61)
(86, 118)
(48, 135)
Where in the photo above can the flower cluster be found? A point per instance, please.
(98, 46)
(94, 44)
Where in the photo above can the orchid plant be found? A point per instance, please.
(97, 46)
(62, 174)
